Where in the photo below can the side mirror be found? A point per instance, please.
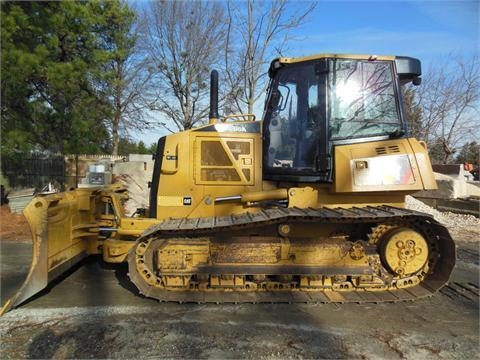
(408, 69)
(275, 99)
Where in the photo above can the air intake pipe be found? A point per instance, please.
(213, 115)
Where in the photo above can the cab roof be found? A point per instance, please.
(372, 57)
(407, 68)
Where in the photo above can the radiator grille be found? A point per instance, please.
(383, 150)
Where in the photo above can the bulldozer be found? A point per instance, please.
(307, 205)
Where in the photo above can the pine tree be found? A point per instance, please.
(54, 62)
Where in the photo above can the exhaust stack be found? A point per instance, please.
(213, 115)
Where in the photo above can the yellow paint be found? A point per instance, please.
(288, 60)
(170, 201)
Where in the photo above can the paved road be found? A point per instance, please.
(95, 312)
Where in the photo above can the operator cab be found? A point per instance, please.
(318, 102)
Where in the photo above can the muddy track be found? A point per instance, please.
(461, 291)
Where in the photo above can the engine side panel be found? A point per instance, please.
(197, 166)
(383, 166)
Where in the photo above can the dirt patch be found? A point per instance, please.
(13, 226)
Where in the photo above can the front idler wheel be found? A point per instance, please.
(404, 251)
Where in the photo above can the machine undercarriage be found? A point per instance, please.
(369, 254)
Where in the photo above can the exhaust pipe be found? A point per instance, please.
(213, 115)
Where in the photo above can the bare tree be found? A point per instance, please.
(184, 40)
(257, 31)
(449, 103)
(130, 107)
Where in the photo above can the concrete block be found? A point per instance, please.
(448, 188)
(452, 186)
(140, 157)
(133, 167)
(455, 171)
(19, 199)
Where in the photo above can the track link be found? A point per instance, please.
(437, 275)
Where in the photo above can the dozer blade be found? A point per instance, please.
(63, 232)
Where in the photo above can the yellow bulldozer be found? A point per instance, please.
(306, 205)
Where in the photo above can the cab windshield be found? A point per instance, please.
(327, 100)
(362, 99)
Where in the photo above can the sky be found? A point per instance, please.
(428, 30)
(424, 29)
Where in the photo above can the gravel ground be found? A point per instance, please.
(456, 223)
(437, 328)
